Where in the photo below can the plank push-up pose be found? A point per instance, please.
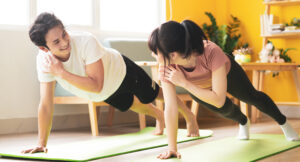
(187, 59)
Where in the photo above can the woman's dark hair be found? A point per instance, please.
(43, 23)
(185, 37)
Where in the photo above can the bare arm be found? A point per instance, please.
(171, 119)
(93, 82)
(171, 114)
(45, 114)
(217, 95)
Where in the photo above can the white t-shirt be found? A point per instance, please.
(85, 49)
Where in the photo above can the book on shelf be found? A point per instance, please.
(266, 21)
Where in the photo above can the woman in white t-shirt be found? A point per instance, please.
(81, 65)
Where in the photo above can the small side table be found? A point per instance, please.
(259, 70)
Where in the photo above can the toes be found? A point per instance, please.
(157, 133)
(195, 135)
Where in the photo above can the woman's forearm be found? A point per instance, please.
(171, 121)
(171, 114)
(205, 95)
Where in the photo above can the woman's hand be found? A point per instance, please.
(52, 65)
(35, 150)
(174, 75)
(168, 154)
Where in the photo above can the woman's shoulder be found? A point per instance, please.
(209, 44)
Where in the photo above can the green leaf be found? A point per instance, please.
(288, 49)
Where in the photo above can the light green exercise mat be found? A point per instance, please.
(232, 150)
(102, 147)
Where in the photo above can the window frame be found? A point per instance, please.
(94, 27)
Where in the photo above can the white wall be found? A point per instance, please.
(19, 88)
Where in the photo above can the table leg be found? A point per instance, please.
(255, 81)
(244, 108)
(297, 83)
(260, 88)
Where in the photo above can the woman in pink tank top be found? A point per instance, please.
(188, 60)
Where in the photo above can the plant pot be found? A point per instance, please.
(241, 58)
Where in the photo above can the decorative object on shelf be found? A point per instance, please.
(225, 36)
(294, 25)
(270, 54)
(268, 28)
(243, 54)
(295, 22)
(277, 28)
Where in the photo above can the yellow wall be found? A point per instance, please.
(280, 88)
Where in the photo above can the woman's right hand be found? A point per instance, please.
(168, 154)
(35, 150)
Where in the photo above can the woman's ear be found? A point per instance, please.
(174, 56)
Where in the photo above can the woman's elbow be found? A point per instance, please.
(221, 102)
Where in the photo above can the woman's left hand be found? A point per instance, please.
(169, 154)
(52, 65)
(175, 76)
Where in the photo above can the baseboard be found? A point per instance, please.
(290, 111)
(61, 122)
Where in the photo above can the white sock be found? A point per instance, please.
(244, 131)
(289, 132)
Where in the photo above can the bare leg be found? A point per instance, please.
(151, 110)
(190, 118)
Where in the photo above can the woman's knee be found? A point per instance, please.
(160, 95)
(228, 108)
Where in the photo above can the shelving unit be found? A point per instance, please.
(282, 35)
(259, 69)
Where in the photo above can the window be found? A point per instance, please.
(129, 15)
(70, 12)
(108, 17)
(14, 12)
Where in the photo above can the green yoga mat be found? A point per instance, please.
(103, 147)
(232, 150)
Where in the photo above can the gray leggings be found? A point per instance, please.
(239, 86)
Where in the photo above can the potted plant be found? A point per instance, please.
(243, 54)
(225, 36)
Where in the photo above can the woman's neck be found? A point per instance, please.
(190, 62)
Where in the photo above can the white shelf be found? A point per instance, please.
(281, 3)
(283, 35)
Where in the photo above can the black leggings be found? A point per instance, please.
(239, 86)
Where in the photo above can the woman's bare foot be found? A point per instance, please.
(192, 127)
(160, 124)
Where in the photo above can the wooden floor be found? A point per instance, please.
(222, 128)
